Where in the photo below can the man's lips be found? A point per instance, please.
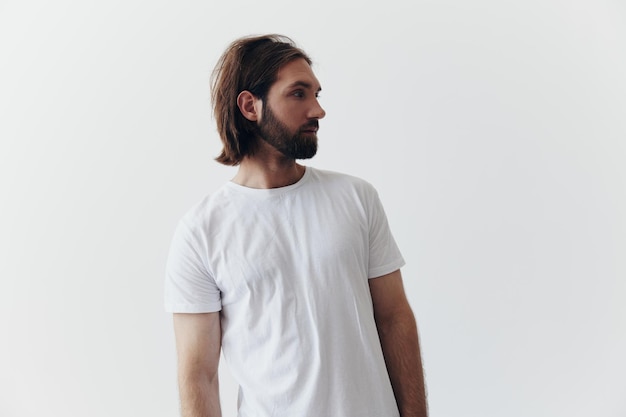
(311, 128)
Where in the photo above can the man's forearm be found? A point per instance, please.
(199, 396)
(400, 344)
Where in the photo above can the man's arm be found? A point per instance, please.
(198, 344)
(398, 337)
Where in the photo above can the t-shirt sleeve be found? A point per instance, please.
(189, 286)
(384, 256)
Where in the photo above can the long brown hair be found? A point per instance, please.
(249, 63)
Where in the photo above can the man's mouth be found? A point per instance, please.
(311, 128)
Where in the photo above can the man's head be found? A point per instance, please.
(263, 88)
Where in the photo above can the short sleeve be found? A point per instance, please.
(189, 286)
(384, 254)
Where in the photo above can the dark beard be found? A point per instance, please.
(297, 145)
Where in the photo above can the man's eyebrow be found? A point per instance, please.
(303, 84)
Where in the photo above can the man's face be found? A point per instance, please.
(289, 119)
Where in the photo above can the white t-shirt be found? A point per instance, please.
(288, 268)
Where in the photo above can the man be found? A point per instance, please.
(290, 270)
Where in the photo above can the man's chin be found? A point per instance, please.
(309, 156)
(301, 153)
(307, 148)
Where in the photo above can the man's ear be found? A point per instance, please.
(247, 103)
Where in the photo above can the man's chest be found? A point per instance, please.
(288, 246)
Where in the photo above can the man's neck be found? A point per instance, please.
(268, 168)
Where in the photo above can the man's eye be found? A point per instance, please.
(299, 94)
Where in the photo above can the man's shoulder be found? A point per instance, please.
(340, 179)
(208, 206)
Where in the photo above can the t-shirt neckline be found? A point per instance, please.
(270, 191)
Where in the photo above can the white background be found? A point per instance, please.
(495, 132)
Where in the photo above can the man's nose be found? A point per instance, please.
(317, 112)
